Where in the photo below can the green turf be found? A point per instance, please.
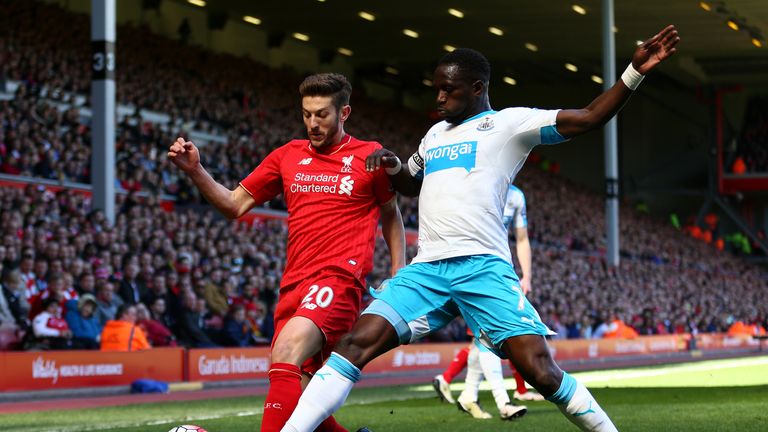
(730, 395)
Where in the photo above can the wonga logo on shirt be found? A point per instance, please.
(459, 155)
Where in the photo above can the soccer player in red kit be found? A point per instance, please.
(334, 206)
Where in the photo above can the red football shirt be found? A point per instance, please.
(333, 205)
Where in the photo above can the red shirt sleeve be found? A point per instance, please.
(266, 181)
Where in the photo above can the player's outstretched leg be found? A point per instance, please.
(295, 342)
(532, 359)
(371, 336)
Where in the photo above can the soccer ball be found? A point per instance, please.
(187, 428)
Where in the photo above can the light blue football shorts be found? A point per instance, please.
(484, 289)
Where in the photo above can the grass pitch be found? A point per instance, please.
(721, 395)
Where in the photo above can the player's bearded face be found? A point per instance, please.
(454, 93)
(325, 123)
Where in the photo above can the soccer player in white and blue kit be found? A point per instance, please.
(462, 169)
(484, 363)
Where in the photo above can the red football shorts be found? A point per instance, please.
(331, 300)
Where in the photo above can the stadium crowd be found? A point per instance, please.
(254, 107)
(196, 279)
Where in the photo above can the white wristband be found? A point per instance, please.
(395, 169)
(631, 77)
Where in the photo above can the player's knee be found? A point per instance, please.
(288, 350)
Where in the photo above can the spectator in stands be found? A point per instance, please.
(50, 329)
(7, 320)
(159, 313)
(55, 288)
(86, 284)
(157, 333)
(107, 302)
(618, 328)
(14, 293)
(155, 289)
(122, 333)
(237, 331)
(80, 316)
(212, 322)
(41, 274)
(259, 321)
(189, 327)
(27, 273)
(131, 291)
(214, 292)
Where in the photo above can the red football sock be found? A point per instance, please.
(519, 381)
(282, 397)
(330, 425)
(457, 365)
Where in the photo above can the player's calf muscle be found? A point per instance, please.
(354, 348)
(535, 363)
(368, 339)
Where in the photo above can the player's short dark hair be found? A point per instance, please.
(472, 63)
(327, 84)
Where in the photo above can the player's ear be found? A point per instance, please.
(478, 87)
(346, 110)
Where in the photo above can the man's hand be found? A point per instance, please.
(184, 154)
(525, 285)
(655, 50)
(381, 158)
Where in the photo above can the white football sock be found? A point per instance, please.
(491, 365)
(325, 394)
(474, 375)
(578, 405)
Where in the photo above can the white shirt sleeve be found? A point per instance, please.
(533, 126)
(40, 326)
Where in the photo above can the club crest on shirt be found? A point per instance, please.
(485, 125)
(347, 161)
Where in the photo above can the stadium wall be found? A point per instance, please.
(47, 370)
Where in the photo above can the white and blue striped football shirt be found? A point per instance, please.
(467, 170)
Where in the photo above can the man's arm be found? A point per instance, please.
(231, 203)
(394, 233)
(524, 257)
(573, 122)
(400, 176)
